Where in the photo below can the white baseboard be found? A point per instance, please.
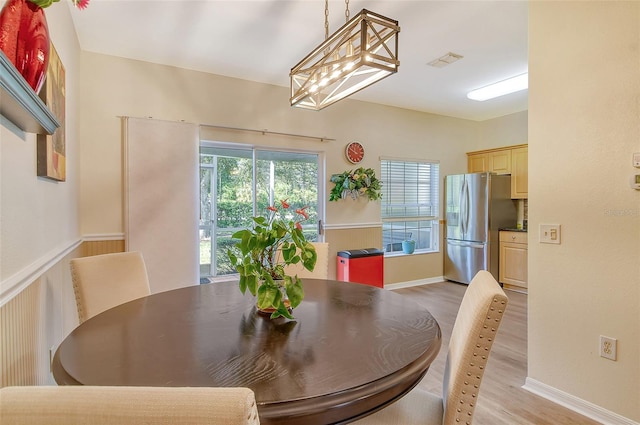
(590, 410)
(411, 283)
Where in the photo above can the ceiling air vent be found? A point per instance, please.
(445, 60)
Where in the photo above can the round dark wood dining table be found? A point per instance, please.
(351, 349)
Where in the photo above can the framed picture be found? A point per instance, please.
(51, 148)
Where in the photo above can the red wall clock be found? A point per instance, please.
(354, 152)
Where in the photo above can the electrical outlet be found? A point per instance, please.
(52, 351)
(550, 233)
(608, 347)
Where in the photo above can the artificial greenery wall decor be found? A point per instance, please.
(359, 182)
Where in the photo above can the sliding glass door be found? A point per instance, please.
(238, 182)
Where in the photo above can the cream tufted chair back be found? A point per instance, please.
(472, 336)
(82, 405)
(101, 282)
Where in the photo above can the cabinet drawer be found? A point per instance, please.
(513, 237)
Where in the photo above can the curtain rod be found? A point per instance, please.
(275, 133)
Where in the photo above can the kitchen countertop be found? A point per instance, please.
(512, 229)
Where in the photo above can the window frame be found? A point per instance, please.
(422, 199)
(255, 153)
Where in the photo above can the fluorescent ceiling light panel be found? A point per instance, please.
(511, 85)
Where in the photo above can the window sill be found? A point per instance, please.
(402, 254)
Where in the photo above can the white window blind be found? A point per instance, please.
(409, 189)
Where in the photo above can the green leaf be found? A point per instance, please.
(288, 251)
(232, 257)
(268, 295)
(43, 3)
(281, 311)
(252, 284)
(243, 284)
(262, 221)
(295, 292)
(239, 234)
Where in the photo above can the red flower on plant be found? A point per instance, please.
(272, 208)
(81, 4)
(284, 203)
(298, 225)
(302, 212)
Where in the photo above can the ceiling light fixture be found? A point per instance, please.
(364, 50)
(511, 85)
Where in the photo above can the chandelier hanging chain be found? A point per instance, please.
(346, 12)
(326, 19)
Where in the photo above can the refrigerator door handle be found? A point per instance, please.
(464, 182)
(464, 207)
(470, 245)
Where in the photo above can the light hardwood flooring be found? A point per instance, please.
(501, 399)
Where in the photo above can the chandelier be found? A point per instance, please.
(364, 50)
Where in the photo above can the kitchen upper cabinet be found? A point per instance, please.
(477, 163)
(500, 162)
(520, 173)
(508, 160)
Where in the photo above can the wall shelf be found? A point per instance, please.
(19, 103)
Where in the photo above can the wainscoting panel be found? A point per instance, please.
(22, 327)
(90, 248)
(398, 268)
(40, 316)
(344, 239)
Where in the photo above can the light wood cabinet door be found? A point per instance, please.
(500, 162)
(495, 161)
(513, 260)
(512, 160)
(520, 173)
(477, 163)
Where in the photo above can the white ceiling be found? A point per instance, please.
(261, 40)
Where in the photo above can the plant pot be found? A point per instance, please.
(408, 246)
(24, 39)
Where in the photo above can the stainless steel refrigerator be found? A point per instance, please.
(476, 206)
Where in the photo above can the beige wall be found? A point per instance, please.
(40, 216)
(508, 130)
(119, 87)
(584, 94)
(39, 233)
(583, 128)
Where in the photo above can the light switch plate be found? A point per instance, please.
(550, 233)
(636, 159)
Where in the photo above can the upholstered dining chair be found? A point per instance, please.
(473, 334)
(320, 271)
(82, 405)
(101, 282)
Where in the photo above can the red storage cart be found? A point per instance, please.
(361, 266)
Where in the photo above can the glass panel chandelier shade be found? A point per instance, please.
(361, 52)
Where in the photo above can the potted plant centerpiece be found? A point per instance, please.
(261, 254)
